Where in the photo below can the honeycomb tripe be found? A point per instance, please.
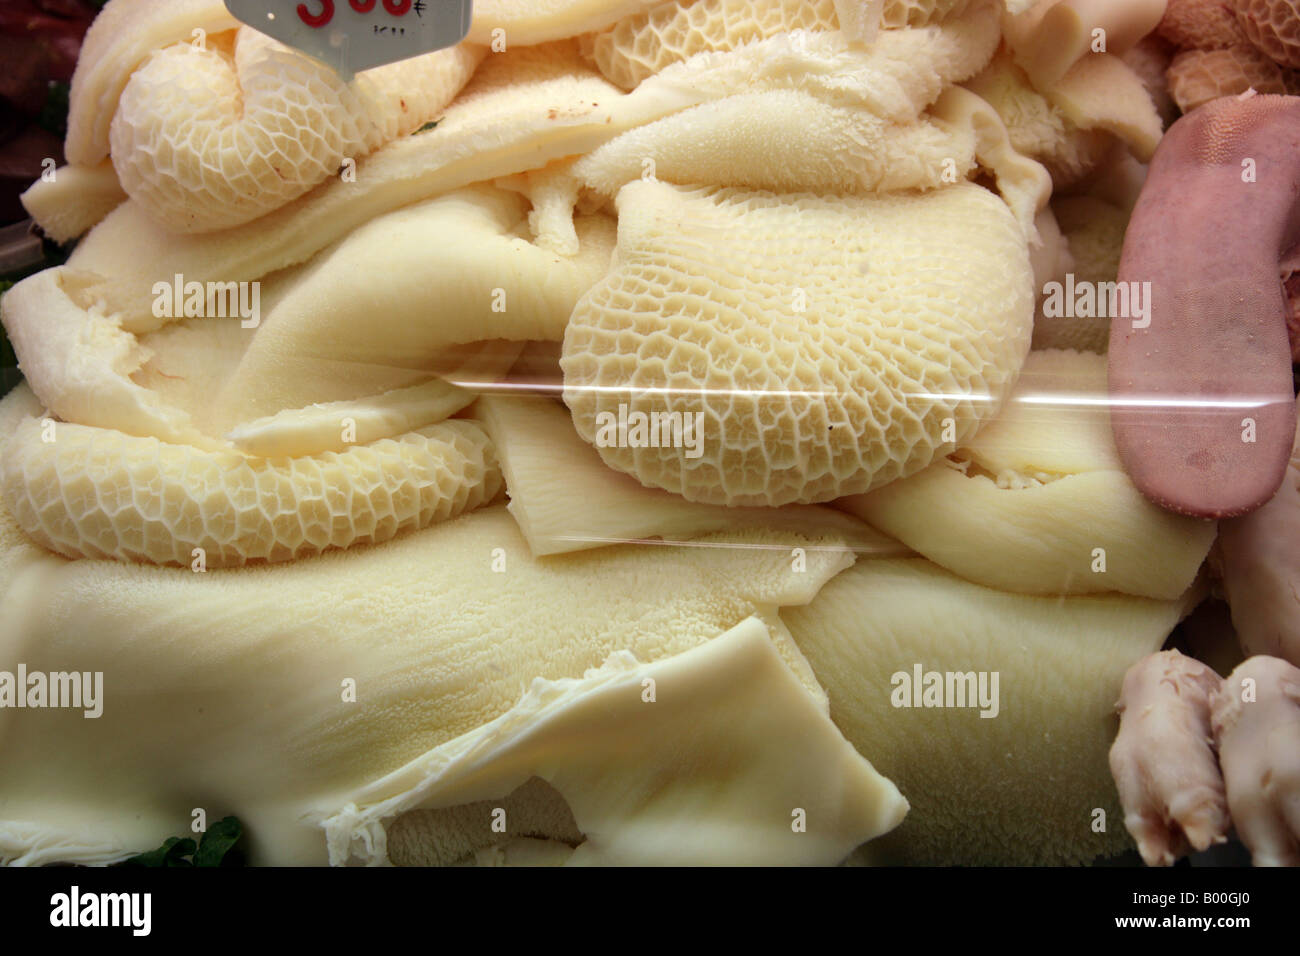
(829, 344)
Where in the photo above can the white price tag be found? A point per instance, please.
(355, 35)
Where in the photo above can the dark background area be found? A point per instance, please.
(39, 44)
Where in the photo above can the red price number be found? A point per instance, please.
(322, 17)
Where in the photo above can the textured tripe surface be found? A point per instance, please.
(1198, 76)
(642, 45)
(1273, 26)
(124, 34)
(504, 122)
(475, 668)
(1201, 25)
(1036, 127)
(96, 493)
(806, 111)
(824, 340)
(566, 499)
(205, 140)
(897, 14)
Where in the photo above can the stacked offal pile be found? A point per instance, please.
(820, 229)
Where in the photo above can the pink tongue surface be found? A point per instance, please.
(1201, 384)
(1291, 285)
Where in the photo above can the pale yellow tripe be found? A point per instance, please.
(566, 499)
(124, 34)
(1038, 501)
(530, 22)
(525, 108)
(79, 361)
(321, 335)
(89, 492)
(472, 665)
(457, 269)
(1050, 37)
(205, 140)
(825, 340)
(73, 200)
(639, 46)
(333, 426)
(1036, 127)
(837, 119)
(756, 744)
(1022, 788)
